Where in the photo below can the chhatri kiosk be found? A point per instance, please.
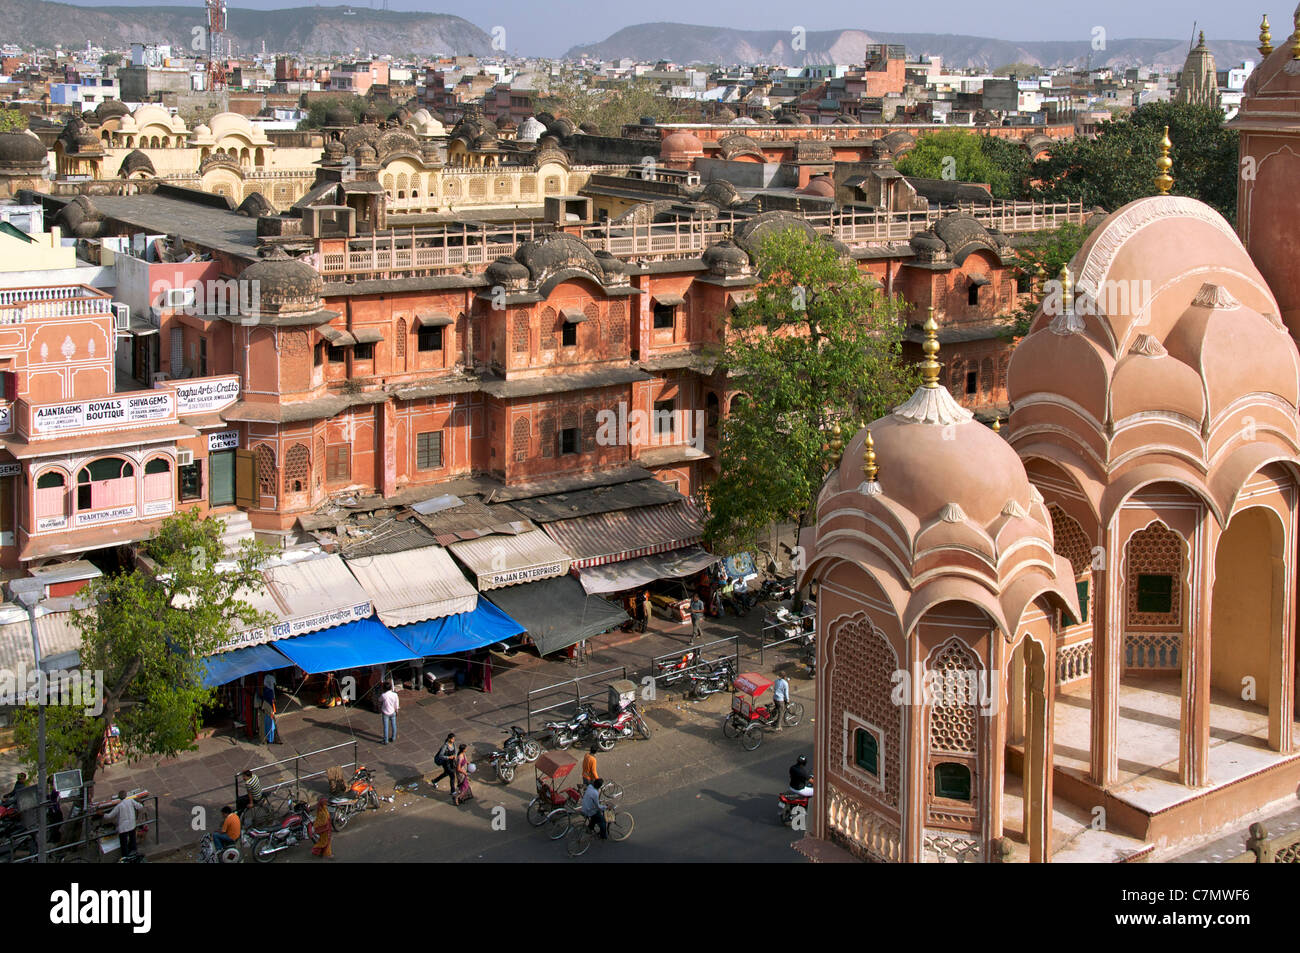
(1074, 639)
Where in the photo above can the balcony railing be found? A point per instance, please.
(23, 304)
(452, 247)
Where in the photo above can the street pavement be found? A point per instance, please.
(695, 795)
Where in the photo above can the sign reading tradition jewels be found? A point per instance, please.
(203, 396)
(299, 626)
(93, 517)
(124, 410)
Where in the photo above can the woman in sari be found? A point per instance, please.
(463, 793)
(324, 829)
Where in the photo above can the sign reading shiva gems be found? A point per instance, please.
(204, 396)
(128, 409)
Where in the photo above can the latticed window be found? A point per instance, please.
(618, 324)
(528, 185)
(986, 376)
(1155, 570)
(266, 475)
(401, 339)
(520, 332)
(589, 428)
(297, 468)
(428, 451)
(318, 474)
(954, 724)
(519, 439)
(550, 323)
(338, 463)
(477, 188)
(546, 428)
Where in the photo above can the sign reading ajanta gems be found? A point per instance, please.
(110, 412)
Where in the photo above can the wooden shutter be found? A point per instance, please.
(246, 479)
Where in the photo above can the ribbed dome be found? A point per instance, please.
(681, 143)
(821, 186)
(282, 285)
(530, 130)
(18, 148)
(726, 258)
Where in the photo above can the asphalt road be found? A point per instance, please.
(719, 805)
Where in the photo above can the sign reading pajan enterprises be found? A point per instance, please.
(299, 626)
(123, 410)
(204, 396)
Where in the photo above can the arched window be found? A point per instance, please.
(297, 468)
(711, 411)
(519, 439)
(158, 479)
(952, 781)
(51, 494)
(106, 482)
(267, 482)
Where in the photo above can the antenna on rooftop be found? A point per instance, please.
(1191, 44)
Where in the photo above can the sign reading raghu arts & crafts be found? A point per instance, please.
(299, 626)
(204, 396)
(123, 410)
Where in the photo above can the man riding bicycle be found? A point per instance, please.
(593, 810)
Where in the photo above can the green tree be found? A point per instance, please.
(817, 344)
(1043, 255)
(1119, 165)
(12, 120)
(110, 59)
(962, 156)
(319, 107)
(573, 96)
(1018, 69)
(146, 631)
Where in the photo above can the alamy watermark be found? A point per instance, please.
(666, 428)
(946, 688)
(211, 297)
(68, 688)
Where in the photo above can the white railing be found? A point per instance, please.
(450, 247)
(23, 304)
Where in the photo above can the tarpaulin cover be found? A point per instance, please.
(364, 642)
(739, 566)
(228, 666)
(615, 577)
(486, 625)
(556, 613)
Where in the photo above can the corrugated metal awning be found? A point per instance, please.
(626, 534)
(509, 560)
(414, 585)
(433, 319)
(59, 642)
(305, 596)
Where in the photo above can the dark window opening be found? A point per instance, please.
(157, 465)
(665, 316)
(569, 440)
(363, 352)
(319, 357)
(429, 339)
(1155, 594)
(338, 354)
(569, 335)
(428, 451)
(972, 382)
(50, 480)
(973, 295)
(866, 751)
(665, 418)
(952, 781)
(1082, 588)
(190, 478)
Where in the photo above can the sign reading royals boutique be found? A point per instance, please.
(121, 411)
(299, 626)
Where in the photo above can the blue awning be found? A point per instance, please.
(486, 625)
(228, 666)
(356, 644)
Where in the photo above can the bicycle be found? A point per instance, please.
(561, 820)
(271, 806)
(619, 824)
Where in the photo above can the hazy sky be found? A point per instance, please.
(549, 27)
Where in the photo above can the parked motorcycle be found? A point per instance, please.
(777, 590)
(628, 723)
(677, 669)
(517, 750)
(577, 729)
(295, 827)
(208, 853)
(360, 795)
(713, 680)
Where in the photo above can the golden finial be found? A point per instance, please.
(1164, 181)
(1201, 42)
(869, 468)
(837, 440)
(930, 367)
(1067, 288)
(997, 423)
(1295, 47)
(1265, 37)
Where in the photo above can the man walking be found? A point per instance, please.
(388, 705)
(593, 810)
(643, 613)
(123, 815)
(268, 714)
(780, 698)
(589, 770)
(446, 759)
(697, 618)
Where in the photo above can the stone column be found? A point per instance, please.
(1281, 658)
(1037, 775)
(1107, 655)
(912, 763)
(1194, 734)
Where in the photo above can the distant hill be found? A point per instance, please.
(686, 44)
(297, 29)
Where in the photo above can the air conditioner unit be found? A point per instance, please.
(122, 318)
(184, 458)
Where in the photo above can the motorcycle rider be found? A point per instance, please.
(230, 830)
(801, 778)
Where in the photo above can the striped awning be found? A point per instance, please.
(626, 534)
(414, 585)
(504, 560)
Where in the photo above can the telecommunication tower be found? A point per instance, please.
(217, 43)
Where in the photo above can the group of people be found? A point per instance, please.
(637, 606)
(455, 764)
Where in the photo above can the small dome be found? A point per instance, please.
(681, 143)
(21, 148)
(339, 116)
(364, 153)
(530, 130)
(821, 186)
(110, 109)
(335, 150)
(254, 205)
(726, 259)
(611, 265)
(589, 129)
(202, 130)
(928, 246)
(506, 271)
(284, 285)
(562, 128)
(136, 161)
